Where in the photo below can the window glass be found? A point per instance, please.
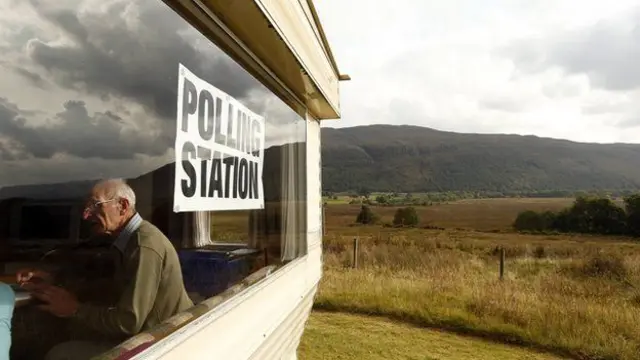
(88, 91)
(45, 222)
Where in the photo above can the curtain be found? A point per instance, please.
(265, 224)
(280, 226)
(293, 216)
(199, 234)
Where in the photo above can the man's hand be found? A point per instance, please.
(24, 276)
(58, 301)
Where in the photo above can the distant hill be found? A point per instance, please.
(419, 159)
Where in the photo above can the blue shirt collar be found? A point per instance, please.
(123, 238)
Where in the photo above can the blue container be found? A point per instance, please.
(210, 272)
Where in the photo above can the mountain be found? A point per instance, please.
(419, 159)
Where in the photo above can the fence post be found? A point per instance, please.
(324, 217)
(501, 263)
(355, 253)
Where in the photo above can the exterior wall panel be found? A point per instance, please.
(294, 25)
(314, 185)
(242, 327)
(284, 342)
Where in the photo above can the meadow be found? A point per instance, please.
(571, 296)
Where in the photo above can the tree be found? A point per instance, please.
(532, 221)
(406, 216)
(595, 215)
(365, 192)
(632, 207)
(598, 216)
(366, 216)
(381, 199)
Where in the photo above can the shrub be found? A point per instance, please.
(406, 216)
(605, 266)
(586, 215)
(381, 199)
(632, 207)
(539, 252)
(366, 216)
(533, 221)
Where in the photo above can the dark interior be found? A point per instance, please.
(49, 233)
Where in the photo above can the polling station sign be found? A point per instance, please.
(219, 149)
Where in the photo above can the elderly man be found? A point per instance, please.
(148, 276)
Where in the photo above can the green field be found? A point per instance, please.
(571, 295)
(351, 337)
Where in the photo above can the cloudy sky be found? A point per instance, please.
(554, 68)
(88, 88)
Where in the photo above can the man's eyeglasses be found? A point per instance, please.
(91, 208)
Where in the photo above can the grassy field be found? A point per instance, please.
(473, 214)
(339, 336)
(571, 295)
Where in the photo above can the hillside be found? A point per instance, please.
(417, 159)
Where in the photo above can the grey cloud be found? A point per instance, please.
(11, 151)
(500, 104)
(72, 168)
(115, 56)
(599, 109)
(560, 90)
(122, 58)
(76, 132)
(632, 122)
(110, 58)
(5, 154)
(13, 126)
(607, 52)
(529, 55)
(32, 77)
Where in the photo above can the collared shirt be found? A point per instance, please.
(7, 301)
(121, 240)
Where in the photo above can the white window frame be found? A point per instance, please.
(282, 297)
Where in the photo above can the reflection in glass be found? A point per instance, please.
(88, 91)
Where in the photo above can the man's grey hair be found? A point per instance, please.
(118, 188)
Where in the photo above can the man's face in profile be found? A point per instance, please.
(105, 213)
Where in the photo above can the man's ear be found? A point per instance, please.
(124, 206)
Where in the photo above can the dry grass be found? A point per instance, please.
(480, 214)
(573, 295)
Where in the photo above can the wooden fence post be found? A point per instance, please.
(501, 263)
(355, 253)
(324, 219)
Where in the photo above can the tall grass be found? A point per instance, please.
(576, 296)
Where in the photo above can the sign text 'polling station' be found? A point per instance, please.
(219, 149)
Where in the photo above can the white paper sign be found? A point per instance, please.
(219, 150)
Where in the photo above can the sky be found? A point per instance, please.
(566, 69)
(88, 88)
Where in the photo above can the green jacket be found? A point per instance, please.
(148, 278)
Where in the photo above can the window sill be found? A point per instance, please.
(167, 334)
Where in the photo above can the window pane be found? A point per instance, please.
(88, 90)
(45, 222)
